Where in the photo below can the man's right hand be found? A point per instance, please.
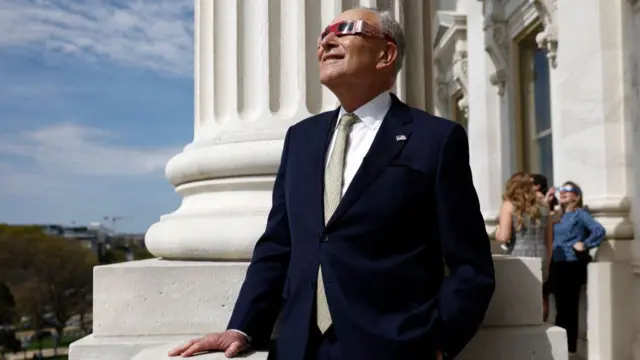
(231, 342)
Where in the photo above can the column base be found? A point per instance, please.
(226, 197)
(218, 220)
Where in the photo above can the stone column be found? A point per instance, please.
(591, 147)
(256, 74)
(497, 46)
(487, 156)
(631, 34)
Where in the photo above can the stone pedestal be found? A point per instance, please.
(144, 308)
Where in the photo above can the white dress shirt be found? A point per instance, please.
(362, 134)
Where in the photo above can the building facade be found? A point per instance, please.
(541, 86)
(552, 87)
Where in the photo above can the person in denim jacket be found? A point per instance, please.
(575, 232)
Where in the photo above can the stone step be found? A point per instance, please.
(155, 297)
(116, 347)
(540, 342)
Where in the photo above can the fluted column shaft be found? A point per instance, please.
(256, 74)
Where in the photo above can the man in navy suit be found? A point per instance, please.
(369, 202)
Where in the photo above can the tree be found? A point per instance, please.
(7, 305)
(63, 272)
(30, 303)
(16, 247)
(49, 275)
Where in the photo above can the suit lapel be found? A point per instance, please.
(387, 144)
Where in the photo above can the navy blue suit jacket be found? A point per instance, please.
(411, 205)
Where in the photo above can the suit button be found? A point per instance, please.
(325, 238)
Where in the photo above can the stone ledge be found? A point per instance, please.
(160, 353)
(542, 342)
(156, 297)
(116, 347)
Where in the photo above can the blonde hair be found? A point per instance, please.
(521, 194)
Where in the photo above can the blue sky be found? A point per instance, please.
(95, 97)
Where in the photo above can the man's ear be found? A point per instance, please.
(388, 56)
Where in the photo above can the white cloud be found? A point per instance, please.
(68, 148)
(151, 34)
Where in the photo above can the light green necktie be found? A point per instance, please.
(333, 181)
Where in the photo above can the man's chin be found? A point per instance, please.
(329, 79)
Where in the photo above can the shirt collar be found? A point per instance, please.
(372, 113)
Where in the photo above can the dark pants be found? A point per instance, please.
(567, 278)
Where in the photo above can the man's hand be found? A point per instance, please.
(231, 342)
(579, 246)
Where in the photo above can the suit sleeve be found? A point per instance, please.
(465, 295)
(260, 299)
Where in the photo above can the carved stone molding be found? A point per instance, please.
(548, 38)
(499, 80)
(497, 46)
(450, 62)
(460, 75)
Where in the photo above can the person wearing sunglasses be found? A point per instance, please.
(369, 203)
(575, 232)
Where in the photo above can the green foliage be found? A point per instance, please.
(46, 274)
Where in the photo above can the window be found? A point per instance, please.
(535, 108)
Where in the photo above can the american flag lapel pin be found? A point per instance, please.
(401, 137)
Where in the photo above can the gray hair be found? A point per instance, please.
(392, 28)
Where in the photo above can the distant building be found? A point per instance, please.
(98, 237)
(90, 236)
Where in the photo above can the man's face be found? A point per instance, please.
(344, 58)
